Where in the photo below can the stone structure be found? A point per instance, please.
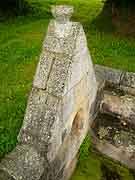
(65, 99)
(114, 127)
(59, 106)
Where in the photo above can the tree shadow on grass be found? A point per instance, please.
(33, 9)
(120, 22)
(103, 22)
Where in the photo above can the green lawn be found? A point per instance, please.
(92, 166)
(20, 45)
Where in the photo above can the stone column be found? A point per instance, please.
(57, 115)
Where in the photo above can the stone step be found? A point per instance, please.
(121, 107)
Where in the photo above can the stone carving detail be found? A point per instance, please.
(57, 114)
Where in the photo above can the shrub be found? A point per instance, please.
(15, 6)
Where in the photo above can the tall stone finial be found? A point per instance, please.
(59, 106)
(62, 12)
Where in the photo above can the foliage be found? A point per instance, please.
(122, 3)
(15, 6)
(6, 144)
(113, 168)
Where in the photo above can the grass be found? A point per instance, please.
(20, 45)
(93, 166)
(88, 167)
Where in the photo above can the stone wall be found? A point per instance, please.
(57, 115)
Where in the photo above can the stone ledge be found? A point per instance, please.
(23, 162)
(116, 79)
(117, 154)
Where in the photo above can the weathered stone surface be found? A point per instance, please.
(122, 107)
(117, 80)
(43, 69)
(58, 76)
(68, 37)
(40, 115)
(117, 154)
(109, 74)
(57, 114)
(99, 96)
(62, 13)
(115, 76)
(128, 80)
(127, 90)
(112, 131)
(23, 163)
